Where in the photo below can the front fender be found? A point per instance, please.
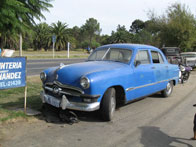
(101, 81)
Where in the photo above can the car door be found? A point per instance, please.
(160, 70)
(143, 74)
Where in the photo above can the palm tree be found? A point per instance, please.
(60, 30)
(17, 16)
(42, 36)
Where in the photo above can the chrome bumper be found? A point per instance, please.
(65, 104)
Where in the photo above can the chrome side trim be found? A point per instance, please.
(133, 88)
(70, 105)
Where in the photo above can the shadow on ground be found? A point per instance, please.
(52, 115)
(154, 137)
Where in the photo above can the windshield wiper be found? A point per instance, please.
(116, 60)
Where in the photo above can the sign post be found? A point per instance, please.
(53, 44)
(25, 100)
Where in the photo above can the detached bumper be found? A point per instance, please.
(65, 104)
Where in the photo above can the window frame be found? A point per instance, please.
(160, 57)
(149, 60)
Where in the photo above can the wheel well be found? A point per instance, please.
(174, 82)
(120, 95)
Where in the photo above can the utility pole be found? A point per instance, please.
(68, 44)
(53, 44)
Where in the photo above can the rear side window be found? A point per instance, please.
(157, 57)
(143, 57)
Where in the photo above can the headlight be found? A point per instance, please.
(182, 68)
(85, 82)
(43, 76)
(180, 74)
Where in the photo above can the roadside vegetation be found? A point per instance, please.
(176, 27)
(12, 100)
(41, 54)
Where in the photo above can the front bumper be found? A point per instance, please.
(65, 104)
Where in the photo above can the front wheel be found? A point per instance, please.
(168, 90)
(108, 104)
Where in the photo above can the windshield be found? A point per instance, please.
(111, 54)
(189, 55)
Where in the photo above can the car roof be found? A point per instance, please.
(128, 46)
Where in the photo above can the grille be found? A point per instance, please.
(63, 89)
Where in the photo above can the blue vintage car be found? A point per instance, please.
(113, 74)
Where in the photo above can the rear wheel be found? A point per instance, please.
(108, 104)
(168, 90)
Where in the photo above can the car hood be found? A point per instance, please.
(71, 74)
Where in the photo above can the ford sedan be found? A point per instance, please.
(113, 74)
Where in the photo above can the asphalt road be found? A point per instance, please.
(34, 67)
(151, 122)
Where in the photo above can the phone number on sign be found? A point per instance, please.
(10, 83)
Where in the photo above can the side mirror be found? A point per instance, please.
(137, 63)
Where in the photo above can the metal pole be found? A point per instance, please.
(20, 52)
(68, 49)
(25, 100)
(53, 50)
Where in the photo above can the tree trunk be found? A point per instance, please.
(91, 37)
(1, 42)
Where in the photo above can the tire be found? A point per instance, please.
(185, 77)
(168, 90)
(108, 104)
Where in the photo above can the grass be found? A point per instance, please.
(12, 99)
(31, 54)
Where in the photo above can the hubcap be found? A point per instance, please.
(169, 88)
(113, 105)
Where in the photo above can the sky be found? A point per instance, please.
(109, 13)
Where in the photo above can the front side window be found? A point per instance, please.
(157, 57)
(111, 54)
(142, 57)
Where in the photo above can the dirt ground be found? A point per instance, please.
(151, 122)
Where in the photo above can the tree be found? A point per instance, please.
(104, 39)
(178, 27)
(17, 16)
(121, 35)
(143, 37)
(90, 30)
(145, 32)
(61, 31)
(42, 36)
(136, 26)
(75, 34)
